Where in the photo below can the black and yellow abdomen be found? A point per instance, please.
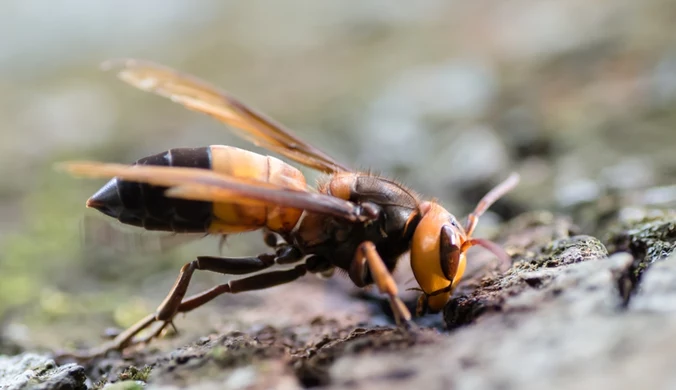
(237, 217)
(144, 205)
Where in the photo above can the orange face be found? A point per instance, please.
(427, 253)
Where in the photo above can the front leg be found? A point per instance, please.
(367, 255)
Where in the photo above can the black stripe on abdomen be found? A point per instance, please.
(146, 206)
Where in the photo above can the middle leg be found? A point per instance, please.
(223, 265)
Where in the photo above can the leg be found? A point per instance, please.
(421, 305)
(286, 254)
(368, 256)
(493, 195)
(256, 282)
(223, 265)
(271, 239)
(174, 302)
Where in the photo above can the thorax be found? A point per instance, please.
(337, 240)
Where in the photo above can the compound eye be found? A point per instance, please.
(449, 253)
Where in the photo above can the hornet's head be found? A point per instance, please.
(439, 246)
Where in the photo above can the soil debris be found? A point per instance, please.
(306, 352)
(312, 368)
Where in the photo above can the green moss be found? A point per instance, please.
(123, 385)
(134, 374)
(570, 250)
(648, 239)
(240, 352)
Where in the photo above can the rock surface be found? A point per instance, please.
(566, 315)
(32, 371)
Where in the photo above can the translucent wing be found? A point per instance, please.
(97, 233)
(198, 95)
(206, 185)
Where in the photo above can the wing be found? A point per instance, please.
(206, 185)
(198, 95)
(99, 233)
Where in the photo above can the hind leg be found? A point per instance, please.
(175, 303)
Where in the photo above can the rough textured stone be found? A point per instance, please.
(32, 371)
(571, 331)
(566, 314)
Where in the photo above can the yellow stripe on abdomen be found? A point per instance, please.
(236, 218)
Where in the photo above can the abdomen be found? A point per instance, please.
(146, 206)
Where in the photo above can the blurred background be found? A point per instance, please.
(447, 96)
